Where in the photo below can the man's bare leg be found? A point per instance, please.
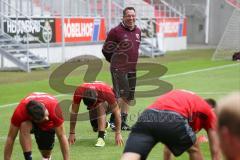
(195, 152)
(130, 155)
(167, 155)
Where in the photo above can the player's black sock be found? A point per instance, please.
(101, 134)
(124, 118)
(112, 118)
(124, 125)
(28, 155)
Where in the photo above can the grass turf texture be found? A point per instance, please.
(211, 83)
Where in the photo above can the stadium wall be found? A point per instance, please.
(56, 55)
(220, 12)
(196, 30)
(172, 44)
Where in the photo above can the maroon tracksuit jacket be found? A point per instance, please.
(121, 47)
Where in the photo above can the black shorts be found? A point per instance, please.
(155, 126)
(124, 84)
(44, 139)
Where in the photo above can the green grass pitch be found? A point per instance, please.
(189, 69)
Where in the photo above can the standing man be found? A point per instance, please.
(173, 119)
(228, 111)
(121, 50)
(99, 99)
(38, 113)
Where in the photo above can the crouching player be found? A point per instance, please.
(99, 99)
(40, 114)
(173, 119)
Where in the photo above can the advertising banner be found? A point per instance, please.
(81, 29)
(18, 29)
(171, 27)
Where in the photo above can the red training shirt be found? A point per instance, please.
(191, 106)
(104, 93)
(55, 113)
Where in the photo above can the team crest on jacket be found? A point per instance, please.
(137, 35)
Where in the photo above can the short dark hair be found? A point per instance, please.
(36, 110)
(211, 102)
(89, 97)
(128, 8)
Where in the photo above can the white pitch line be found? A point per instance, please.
(14, 104)
(8, 105)
(200, 70)
(167, 76)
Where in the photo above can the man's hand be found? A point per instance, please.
(71, 138)
(118, 139)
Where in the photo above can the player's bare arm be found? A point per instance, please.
(63, 141)
(73, 121)
(13, 131)
(116, 111)
(214, 144)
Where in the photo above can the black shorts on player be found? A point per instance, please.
(155, 126)
(44, 139)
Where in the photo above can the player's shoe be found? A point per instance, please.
(125, 127)
(100, 143)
